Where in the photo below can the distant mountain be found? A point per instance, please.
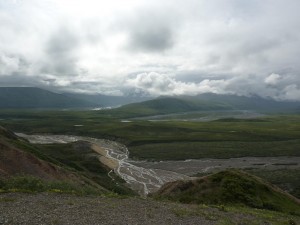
(34, 98)
(206, 102)
(107, 100)
(31, 97)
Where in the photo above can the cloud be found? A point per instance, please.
(161, 84)
(61, 55)
(151, 31)
(157, 84)
(291, 92)
(152, 39)
(8, 64)
(273, 79)
(162, 47)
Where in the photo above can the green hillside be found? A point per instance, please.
(230, 187)
(206, 102)
(165, 105)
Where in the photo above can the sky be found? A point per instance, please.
(157, 47)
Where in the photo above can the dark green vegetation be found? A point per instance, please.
(172, 140)
(286, 179)
(32, 184)
(80, 158)
(230, 187)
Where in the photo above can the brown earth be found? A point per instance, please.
(109, 162)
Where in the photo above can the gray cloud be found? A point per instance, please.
(151, 38)
(61, 53)
(152, 29)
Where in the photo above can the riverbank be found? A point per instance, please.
(115, 156)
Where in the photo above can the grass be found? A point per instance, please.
(286, 179)
(27, 183)
(214, 149)
(75, 158)
(79, 157)
(277, 135)
(273, 135)
(169, 140)
(227, 188)
(234, 215)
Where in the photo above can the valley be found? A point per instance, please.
(149, 112)
(129, 155)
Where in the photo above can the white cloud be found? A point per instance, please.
(272, 79)
(161, 84)
(229, 46)
(8, 64)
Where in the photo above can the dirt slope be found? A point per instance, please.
(17, 161)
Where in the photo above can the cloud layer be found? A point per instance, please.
(162, 47)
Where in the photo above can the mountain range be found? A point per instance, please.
(210, 102)
(36, 98)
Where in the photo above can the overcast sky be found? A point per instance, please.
(162, 47)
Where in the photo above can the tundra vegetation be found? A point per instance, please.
(175, 137)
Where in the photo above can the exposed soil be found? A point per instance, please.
(15, 161)
(109, 162)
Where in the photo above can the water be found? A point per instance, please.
(147, 177)
(139, 179)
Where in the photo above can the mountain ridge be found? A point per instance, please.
(209, 102)
(33, 97)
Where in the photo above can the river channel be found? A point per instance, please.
(115, 155)
(146, 177)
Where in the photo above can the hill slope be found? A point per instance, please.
(230, 187)
(207, 102)
(106, 100)
(67, 167)
(15, 161)
(31, 97)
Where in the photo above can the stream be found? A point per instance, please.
(147, 177)
(139, 179)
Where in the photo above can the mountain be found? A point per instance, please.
(31, 97)
(231, 187)
(208, 102)
(107, 100)
(36, 98)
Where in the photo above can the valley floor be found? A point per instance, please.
(53, 208)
